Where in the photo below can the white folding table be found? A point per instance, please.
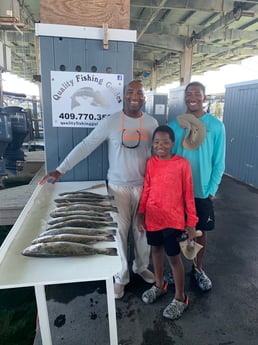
(17, 270)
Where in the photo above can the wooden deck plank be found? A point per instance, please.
(13, 200)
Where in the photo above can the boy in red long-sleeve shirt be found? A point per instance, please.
(166, 210)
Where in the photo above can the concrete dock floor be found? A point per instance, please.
(227, 315)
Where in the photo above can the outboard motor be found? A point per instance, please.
(5, 138)
(13, 154)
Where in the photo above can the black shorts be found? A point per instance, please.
(205, 213)
(168, 238)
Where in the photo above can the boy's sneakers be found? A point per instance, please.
(175, 309)
(151, 295)
(202, 280)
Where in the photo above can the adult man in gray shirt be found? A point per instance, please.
(129, 136)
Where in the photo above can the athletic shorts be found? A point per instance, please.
(168, 238)
(205, 213)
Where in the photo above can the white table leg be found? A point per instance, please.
(111, 311)
(43, 314)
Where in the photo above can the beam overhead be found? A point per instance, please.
(220, 32)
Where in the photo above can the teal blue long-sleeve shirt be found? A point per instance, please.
(208, 161)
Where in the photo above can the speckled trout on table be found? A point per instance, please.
(57, 213)
(73, 199)
(65, 249)
(87, 223)
(79, 231)
(73, 238)
(87, 194)
(85, 207)
(102, 220)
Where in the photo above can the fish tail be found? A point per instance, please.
(111, 251)
(110, 238)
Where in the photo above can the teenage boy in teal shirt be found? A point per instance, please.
(207, 163)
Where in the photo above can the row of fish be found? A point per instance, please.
(80, 220)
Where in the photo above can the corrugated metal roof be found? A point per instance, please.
(219, 31)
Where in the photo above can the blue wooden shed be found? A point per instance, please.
(241, 123)
(75, 48)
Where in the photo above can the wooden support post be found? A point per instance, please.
(186, 66)
(154, 78)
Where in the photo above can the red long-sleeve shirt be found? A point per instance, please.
(167, 198)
